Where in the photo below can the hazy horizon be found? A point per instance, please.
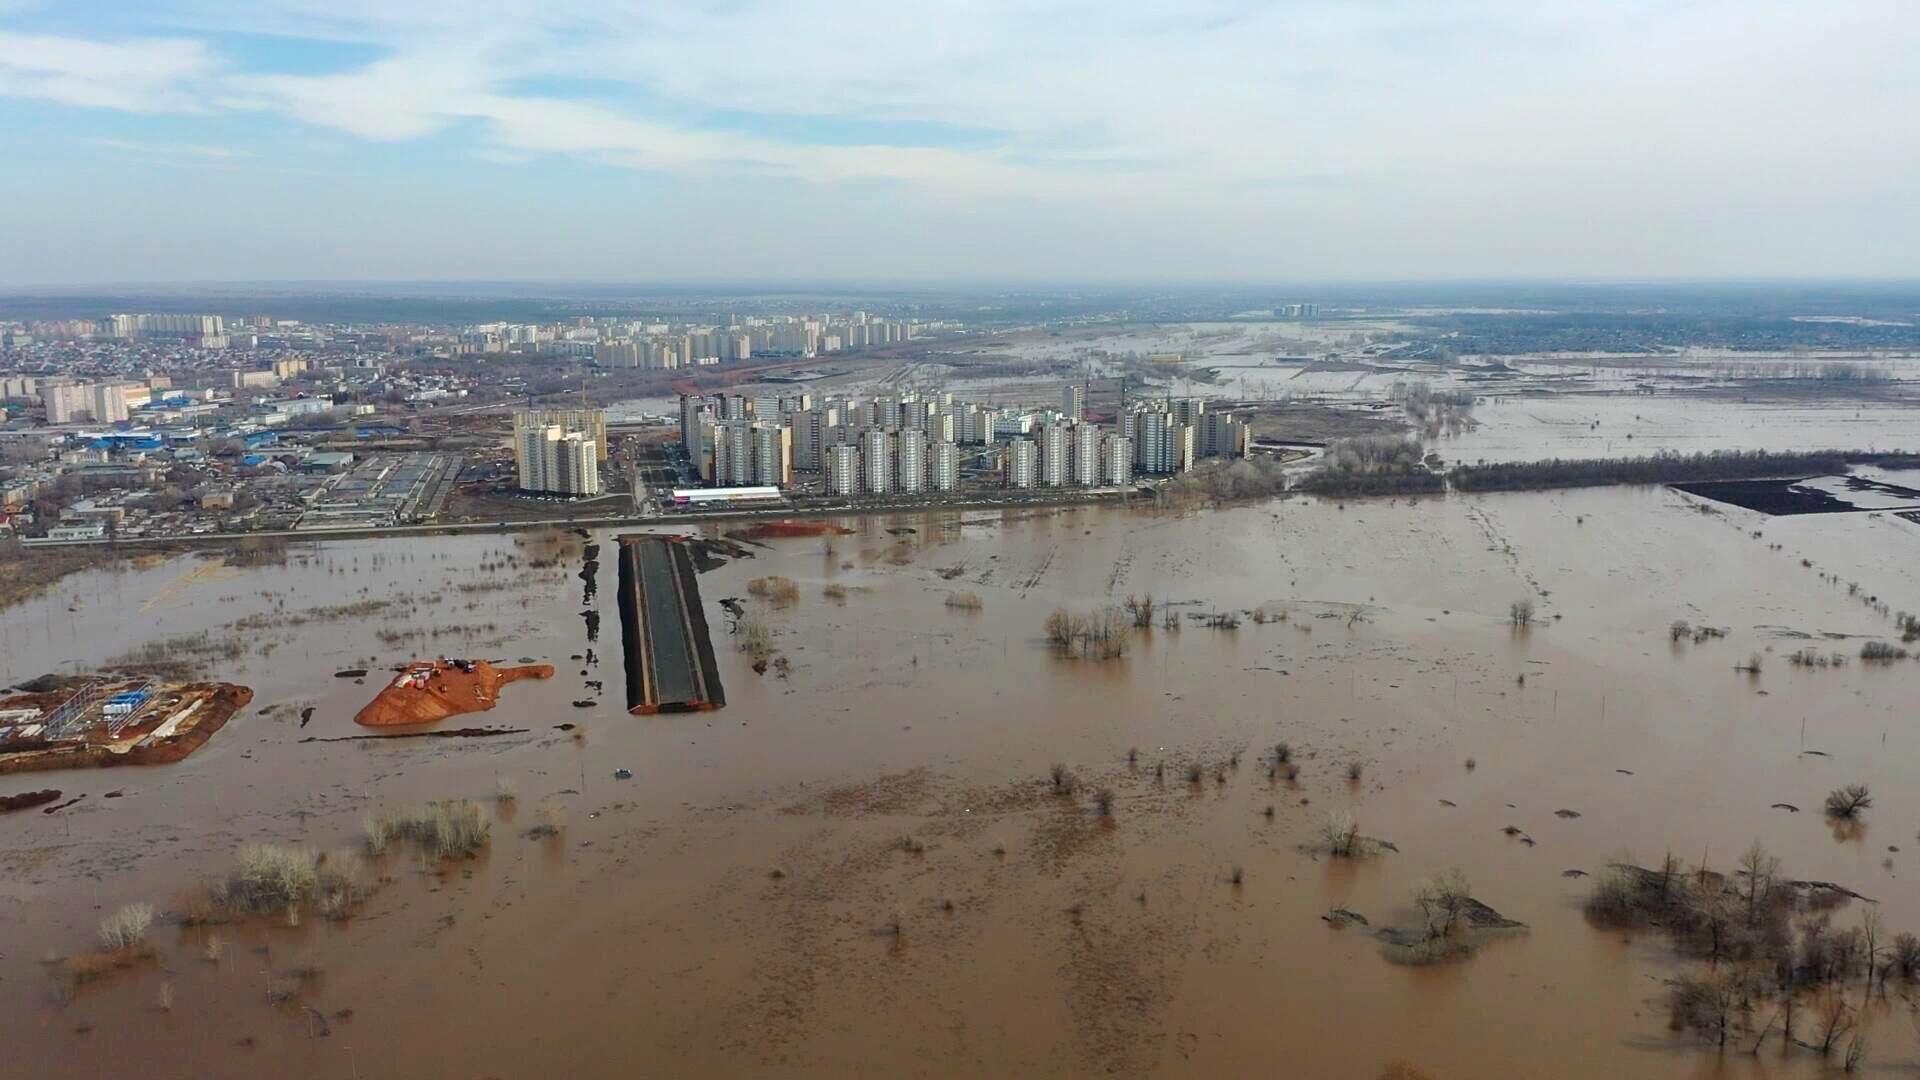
(195, 142)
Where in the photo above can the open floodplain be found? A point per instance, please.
(862, 865)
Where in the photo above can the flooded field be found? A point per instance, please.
(861, 866)
(1533, 427)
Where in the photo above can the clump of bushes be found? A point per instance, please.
(1879, 652)
(1097, 635)
(1452, 924)
(451, 829)
(127, 928)
(964, 601)
(1061, 780)
(124, 937)
(269, 879)
(1341, 835)
(778, 591)
(754, 638)
(1814, 658)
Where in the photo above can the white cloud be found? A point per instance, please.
(1153, 99)
(171, 150)
(1500, 130)
(148, 75)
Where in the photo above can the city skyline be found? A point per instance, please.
(193, 141)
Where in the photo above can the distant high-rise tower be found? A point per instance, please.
(876, 461)
(944, 466)
(1022, 459)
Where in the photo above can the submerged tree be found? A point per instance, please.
(1848, 802)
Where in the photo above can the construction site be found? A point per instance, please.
(669, 653)
(105, 721)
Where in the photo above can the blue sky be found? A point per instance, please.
(1206, 140)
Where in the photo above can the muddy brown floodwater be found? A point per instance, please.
(858, 867)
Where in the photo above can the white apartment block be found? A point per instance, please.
(1023, 459)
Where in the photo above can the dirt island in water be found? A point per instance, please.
(426, 691)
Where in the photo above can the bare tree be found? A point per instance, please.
(1759, 869)
(1141, 608)
(1520, 612)
(1871, 933)
(1443, 902)
(1705, 1005)
(1849, 801)
(1905, 955)
(1836, 1018)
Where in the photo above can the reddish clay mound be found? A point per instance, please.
(776, 530)
(425, 692)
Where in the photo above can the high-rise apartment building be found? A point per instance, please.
(1023, 459)
(1150, 442)
(1222, 435)
(843, 470)
(110, 403)
(1179, 448)
(590, 422)
(910, 461)
(67, 403)
(733, 453)
(1055, 444)
(1116, 460)
(554, 460)
(876, 461)
(576, 466)
(943, 466)
(1083, 458)
(940, 427)
(1073, 401)
(772, 454)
